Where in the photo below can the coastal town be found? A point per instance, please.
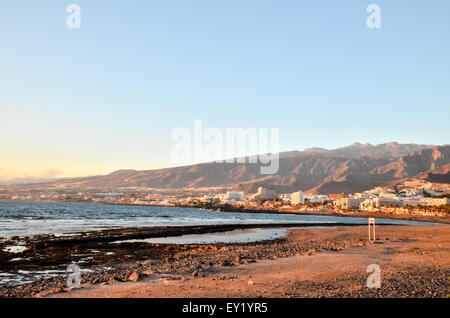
(415, 197)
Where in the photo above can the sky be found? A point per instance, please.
(108, 95)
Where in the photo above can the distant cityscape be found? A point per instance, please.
(409, 197)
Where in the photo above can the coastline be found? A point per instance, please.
(179, 264)
(358, 214)
(322, 263)
(228, 208)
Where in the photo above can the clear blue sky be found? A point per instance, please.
(107, 96)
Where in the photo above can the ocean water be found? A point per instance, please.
(19, 218)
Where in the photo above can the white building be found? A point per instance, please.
(388, 195)
(359, 195)
(411, 201)
(434, 201)
(348, 203)
(412, 192)
(376, 203)
(297, 198)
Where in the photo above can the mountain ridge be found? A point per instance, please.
(348, 169)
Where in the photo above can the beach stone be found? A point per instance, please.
(134, 277)
(147, 272)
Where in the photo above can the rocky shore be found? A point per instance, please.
(108, 263)
(413, 263)
(185, 264)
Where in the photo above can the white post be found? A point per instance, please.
(372, 222)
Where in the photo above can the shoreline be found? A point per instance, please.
(52, 248)
(308, 263)
(133, 261)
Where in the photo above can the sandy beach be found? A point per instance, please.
(315, 262)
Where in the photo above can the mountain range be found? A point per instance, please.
(354, 168)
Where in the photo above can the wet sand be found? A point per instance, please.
(414, 261)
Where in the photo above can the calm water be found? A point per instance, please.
(235, 236)
(31, 218)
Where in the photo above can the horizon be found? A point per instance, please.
(106, 96)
